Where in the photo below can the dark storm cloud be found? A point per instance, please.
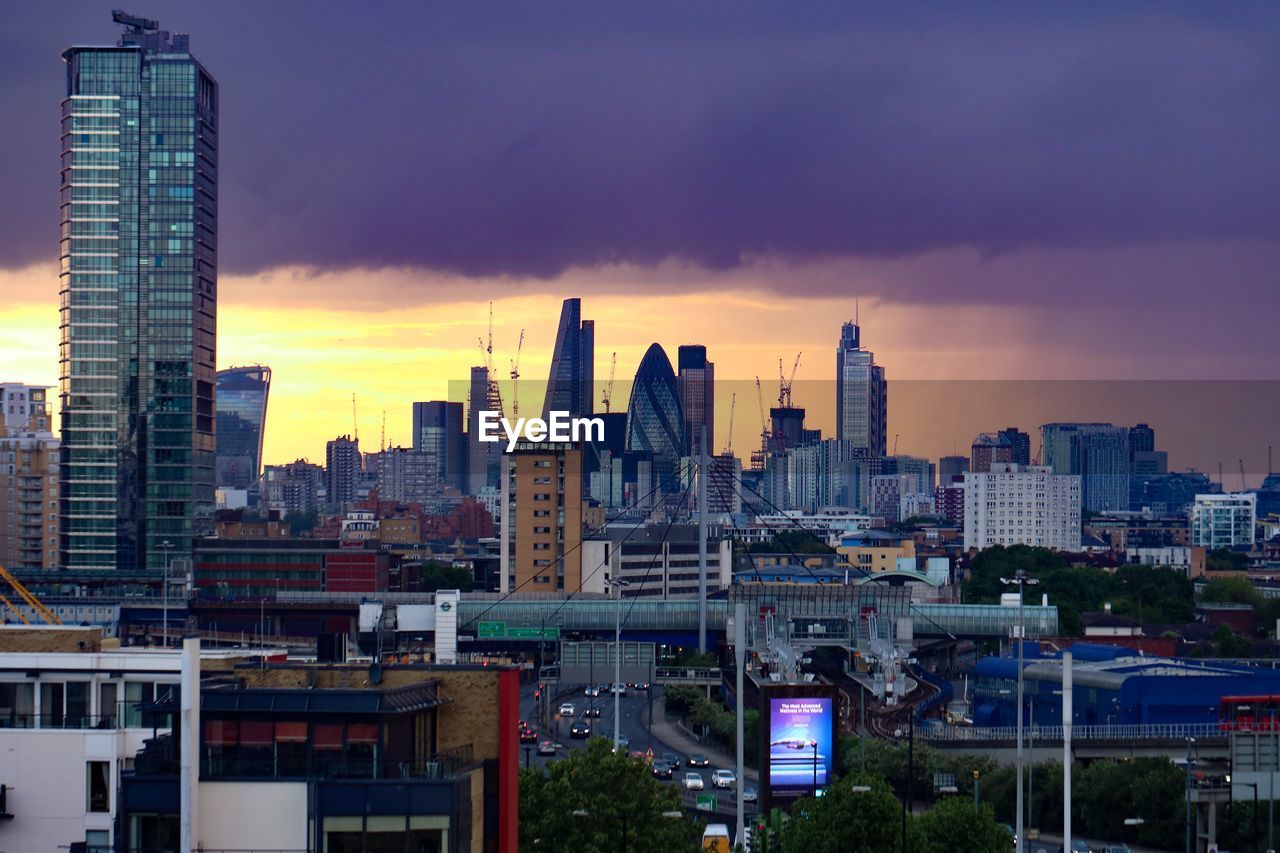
(521, 139)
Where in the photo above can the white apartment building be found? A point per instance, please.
(664, 569)
(1021, 505)
(1224, 521)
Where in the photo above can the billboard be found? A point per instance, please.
(798, 753)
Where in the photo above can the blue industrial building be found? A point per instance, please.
(1112, 686)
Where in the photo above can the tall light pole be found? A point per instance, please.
(1191, 742)
(740, 657)
(164, 593)
(1022, 580)
(617, 585)
(702, 541)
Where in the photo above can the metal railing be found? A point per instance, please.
(1136, 732)
(692, 675)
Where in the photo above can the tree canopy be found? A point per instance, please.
(587, 801)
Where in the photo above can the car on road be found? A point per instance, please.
(567, 709)
(547, 747)
(662, 769)
(580, 729)
(723, 778)
(640, 685)
(749, 795)
(592, 712)
(528, 735)
(591, 690)
(521, 726)
(699, 760)
(692, 782)
(620, 688)
(672, 759)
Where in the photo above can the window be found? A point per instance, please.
(17, 705)
(98, 786)
(108, 713)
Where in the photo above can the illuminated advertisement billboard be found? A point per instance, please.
(799, 741)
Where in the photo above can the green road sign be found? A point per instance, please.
(705, 802)
(533, 633)
(491, 629)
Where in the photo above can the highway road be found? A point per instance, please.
(633, 713)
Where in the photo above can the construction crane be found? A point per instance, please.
(733, 405)
(758, 457)
(1243, 487)
(382, 443)
(355, 421)
(785, 383)
(515, 371)
(26, 595)
(607, 396)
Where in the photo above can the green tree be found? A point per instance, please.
(301, 522)
(845, 819)
(1226, 560)
(955, 823)
(1231, 591)
(437, 576)
(792, 542)
(586, 802)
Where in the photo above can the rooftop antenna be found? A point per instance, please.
(382, 448)
(1243, 487)
(355, 423)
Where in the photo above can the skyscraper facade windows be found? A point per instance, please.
(572, 377)
(138, 286)
(696, 380)
(655, 422)
(242, 420)
(861, 396)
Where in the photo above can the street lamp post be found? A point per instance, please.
(1254, 786)
(164, 594)
(617, 585)
(1021, 579)
(1191, 742)
(908, 803)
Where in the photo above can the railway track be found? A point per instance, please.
(882, 721)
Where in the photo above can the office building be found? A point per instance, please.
(138, 287)
(951, 467)
(948, 501)
(408, 476)
(299, 487)
(656, 560)
(655, 420)
(887, 492)
(571, 383)
(541, 517)
(919, 472)
(1224, 521)
(242, 422)
(342, 468)
(829, 473)
(696, 382)
(484, 459)
(437, 431)
(28, 480)
(1020, 445)
(1099, 454)
(321, 756)
(724, 483)
(861, 396)
(875, 550)
(1013, 505)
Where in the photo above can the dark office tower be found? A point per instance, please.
(437, 431)
(484, 459)
(341, 470)
(139, 292)
(1099, 453)
(572, 377)
(242, 419)
(950, 467)
(655, 423)
(696, 380)
(861, 396)
(1019, 445)
(1142, 439)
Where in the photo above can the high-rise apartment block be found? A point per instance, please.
(1019, 444)
(695, 379)
(342, 468)
(242, 421)
(951, 467)
(989, 448)
(437, 431)
(138, 287)
(1016, 505)
(408, 476)
(28, 480)
(298, 487)
(571, 382)
(541, 516)
(484, 458)
(1224, 521)
(861, 396)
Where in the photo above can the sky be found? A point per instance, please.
(1008, 190)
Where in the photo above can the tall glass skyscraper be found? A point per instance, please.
(437, 431)
(1099, 453)
(571, 383)
(861, 396)
(697, 383)
(655, 423)
(139, 300)
(242, 420)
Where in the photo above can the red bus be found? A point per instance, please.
(1249, 713)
